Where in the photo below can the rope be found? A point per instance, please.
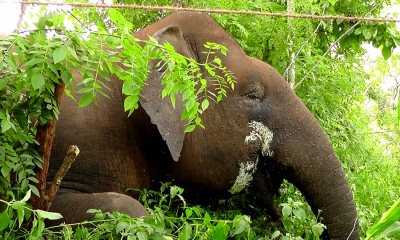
(168, 8)
(354, 227)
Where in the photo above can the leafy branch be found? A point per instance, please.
(180, 74)
(18, 211)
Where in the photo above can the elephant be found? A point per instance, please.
(256, 137)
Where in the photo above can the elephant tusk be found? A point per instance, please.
(246, 172)
(262, 133)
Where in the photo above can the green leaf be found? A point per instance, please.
(40, 228)
(4, 220)
(85, 90)
(66, 77)
(275, 234)
(21, 118)
(205, 104)
(72, 52)
(221, 231)
(387, 220)
(34, 190)
(190, 128)
(317, 230)
(3, 83)
(37, 80)
(59, 54)
(286, 210)
(46, 114)
(5, 126)
(48, 215)
(86, 99)
(367, 33)
(142, 236)
(121, 226)
(28, 214)
(20, 214)
(93, 211)
(299, 213)
(173, 191)
(186, 94)
(185, 114)
(386, 52)
(197, 121)
(188, 212)
(172, 97)
(27, 196)
(3, 116)
(165, 92)
(11, 63)
(209, 70)
(358, 31)
(34, 61)
(131, 103)
(390, 231)
(5, 171)
(186, 232)
(193, 111)
(396, 41)
(189, 104)
(240, 227)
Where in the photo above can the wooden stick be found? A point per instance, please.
(73, 152)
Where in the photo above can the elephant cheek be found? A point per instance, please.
(260, 136)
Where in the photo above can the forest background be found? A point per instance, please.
(333, 66)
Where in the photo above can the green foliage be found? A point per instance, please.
(294, 214)
(181, 75)
(163, 222)
(171, 218)
(31, 66)
(187, 222)
(18, 211)
(388, 225)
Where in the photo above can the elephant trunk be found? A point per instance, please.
(310, 163)
(325, 188)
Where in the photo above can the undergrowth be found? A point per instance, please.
(170, 217)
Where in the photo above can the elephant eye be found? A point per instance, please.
(253, 96)
(254, 91)
(258, 94)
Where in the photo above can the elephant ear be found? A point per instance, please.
(161, 111)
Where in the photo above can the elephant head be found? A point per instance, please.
(259, 135)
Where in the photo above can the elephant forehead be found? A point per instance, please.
(260, 133)
(246, 172)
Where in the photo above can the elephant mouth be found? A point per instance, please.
(260, 137)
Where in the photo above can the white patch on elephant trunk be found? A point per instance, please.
(262, 133)
(246, 171)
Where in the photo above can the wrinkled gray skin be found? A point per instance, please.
(257, 136)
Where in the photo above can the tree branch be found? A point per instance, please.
(45, 136)
(330, 47)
